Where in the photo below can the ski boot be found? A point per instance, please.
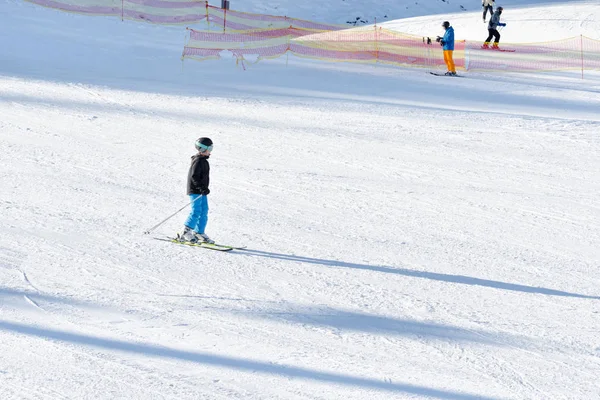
(203, 238)
(187, 235)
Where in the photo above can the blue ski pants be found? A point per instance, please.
(198, 217)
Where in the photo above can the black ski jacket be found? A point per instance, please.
(494, 21)
(198, 176)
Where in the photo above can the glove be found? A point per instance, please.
(205, 192)
(442, 42)
(502, 24)
(438, 39)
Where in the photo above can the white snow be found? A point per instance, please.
(525, 22)
(408, 236)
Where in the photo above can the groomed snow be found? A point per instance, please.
(409, 236)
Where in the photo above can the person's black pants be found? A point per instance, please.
(486, 9)
(495, 34)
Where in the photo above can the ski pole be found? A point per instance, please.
(170, 216)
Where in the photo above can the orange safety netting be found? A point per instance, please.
(156, 11)
(181, 11)
(257, 36)
(574, 53)
(368, 44)
(232, 20)
(375, 44)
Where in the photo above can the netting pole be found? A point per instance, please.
(581, 47)
(122, 9)
(207, 17)
(224, 19)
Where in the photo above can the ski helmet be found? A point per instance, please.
(446, 24)
(500, 9)
(204, 144)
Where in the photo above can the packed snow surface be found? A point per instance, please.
(408, 236)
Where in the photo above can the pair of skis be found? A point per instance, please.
(204, 245)
(497, 49)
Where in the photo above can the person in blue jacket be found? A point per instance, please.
(447, 41)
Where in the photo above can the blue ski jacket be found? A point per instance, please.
(448, 39)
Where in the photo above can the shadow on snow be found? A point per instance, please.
(347, 321)
(460, 279)
(230, 362)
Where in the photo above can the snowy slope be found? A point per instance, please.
(408, 236)
(526, 23)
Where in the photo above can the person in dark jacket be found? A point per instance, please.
(447, 41)
(488, 5)
(492, 29)
(197, 189)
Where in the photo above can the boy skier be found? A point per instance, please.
(493, 32)
(197, 189)
(448, 46)
(488, 5)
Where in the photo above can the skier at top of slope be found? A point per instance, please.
(493, 32)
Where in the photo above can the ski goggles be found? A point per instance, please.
(204, 147)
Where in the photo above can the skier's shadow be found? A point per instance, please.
(462, 279)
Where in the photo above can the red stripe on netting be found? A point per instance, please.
(192, 51)
(99, 10)
(339, 55)
(123, 12)
(343, 36)
(272, 51)
(168, 4)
